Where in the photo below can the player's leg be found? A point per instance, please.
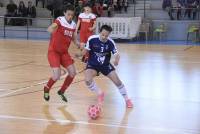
(83, 41)
(84, 58)
(82, 44)
(89, 75)
(67, 62)
(67, 82)
(56, 72)
(54, 61)
(115, 79)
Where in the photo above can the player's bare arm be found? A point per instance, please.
(75, 40)
(93, 27)
(52, 28)
(84, 52)
(116, 58)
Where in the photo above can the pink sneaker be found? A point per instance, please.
(129, 103)
(101, 98)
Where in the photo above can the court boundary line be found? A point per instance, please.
(37, 84)
(1, 89)
(34, 85)
(23, 88)
(27, 87)
(35, 91)
(171, 130)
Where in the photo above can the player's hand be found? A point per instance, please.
(116, 59)
(78, 45)
(84, 59)
(78, 55)
(90, 29)
(116, 62)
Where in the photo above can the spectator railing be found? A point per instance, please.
(173, 8)
(145, 10)
(36, 27)
(137, 9)
(181, 9)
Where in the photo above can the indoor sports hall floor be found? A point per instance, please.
(162, 80)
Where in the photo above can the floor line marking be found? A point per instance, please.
(1, 89)
(34, 85)
(26, 87)
(181, 131)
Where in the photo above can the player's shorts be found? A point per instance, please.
(56, 59)
(104, 69)
(84, 36)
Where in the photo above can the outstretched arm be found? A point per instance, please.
(116, 58)
(93, 27)
(85, 52)
(52, 28)
(75, 39)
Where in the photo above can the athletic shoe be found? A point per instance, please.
(62, 96)
(46, 94)
(101, 98)
(129, 103)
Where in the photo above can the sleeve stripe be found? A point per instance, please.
(113, 43)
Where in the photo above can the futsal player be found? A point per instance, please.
(62, 33)
(100, 47)
(87, 24)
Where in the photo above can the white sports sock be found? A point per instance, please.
(123, 92)
(93, 87)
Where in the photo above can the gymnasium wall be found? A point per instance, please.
(176, 30)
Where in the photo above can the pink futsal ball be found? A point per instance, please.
(94, 111)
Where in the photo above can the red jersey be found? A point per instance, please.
(61, 38)
(87, 21)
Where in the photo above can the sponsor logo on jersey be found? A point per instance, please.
(68, 33)
(86, 20)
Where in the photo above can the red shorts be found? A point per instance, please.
(56, 59)
(84, 36)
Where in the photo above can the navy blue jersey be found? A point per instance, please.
(100, 52)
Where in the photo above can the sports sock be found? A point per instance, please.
(67, 82)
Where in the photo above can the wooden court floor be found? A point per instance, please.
(163, 82)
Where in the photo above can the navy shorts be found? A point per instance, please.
(104, 69)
